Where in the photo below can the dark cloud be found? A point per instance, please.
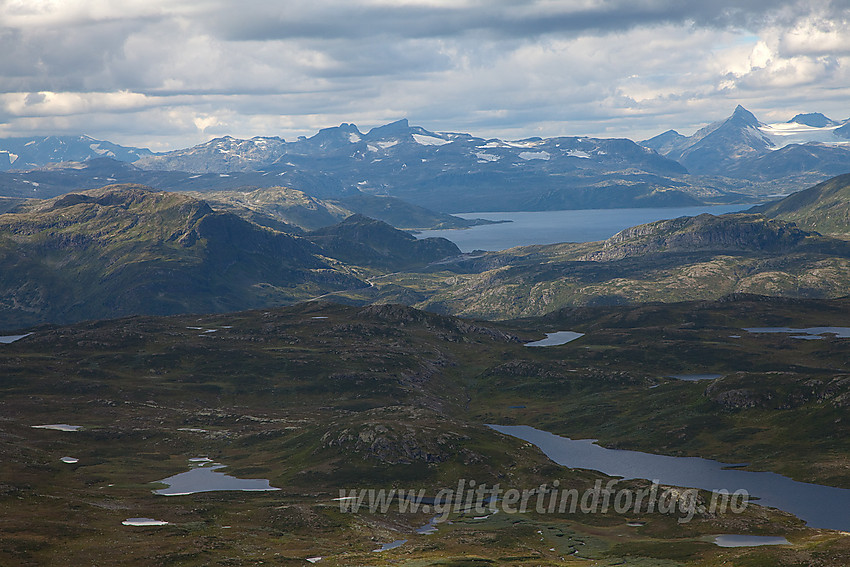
(177, 71)
(265, 20)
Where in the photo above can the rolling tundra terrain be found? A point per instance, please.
(317, 398)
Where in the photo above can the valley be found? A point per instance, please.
(318, 398)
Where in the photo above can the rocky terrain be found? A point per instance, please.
(125, 250)
(320, 397)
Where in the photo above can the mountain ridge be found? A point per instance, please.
(737, 158)
(127, 249)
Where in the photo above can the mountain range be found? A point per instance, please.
(738, 160)
(743, 147)
(30, 153)
(124, 250)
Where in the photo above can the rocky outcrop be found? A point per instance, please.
(725, 233)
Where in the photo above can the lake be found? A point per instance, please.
(9, 339)
(810, 333)
(557, 338)
(820, 506)
(552, 227)
(695, 377)
(205, 477)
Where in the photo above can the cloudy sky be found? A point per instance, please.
(172, 73)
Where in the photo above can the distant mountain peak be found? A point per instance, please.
(813, 119)
(398, 127)
(741, 114)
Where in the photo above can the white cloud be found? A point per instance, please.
(175, 72)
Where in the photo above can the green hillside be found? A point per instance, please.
(298, 209)
(126, 250)
(691, 258)
(824, 208)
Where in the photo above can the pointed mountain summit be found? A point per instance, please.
(711, 149)
(743, 116)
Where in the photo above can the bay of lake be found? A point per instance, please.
(551, 227)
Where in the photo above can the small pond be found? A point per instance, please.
(143, 522)
(695, 377)
(388, 546)
(59, 427)
(204, 477)
(555, 339)
(810, 333)
(8, 339)
(749, 540)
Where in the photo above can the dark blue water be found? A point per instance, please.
(551, 227)
(820, 506)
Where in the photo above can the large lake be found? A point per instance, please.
(820, 506)
(551, 227)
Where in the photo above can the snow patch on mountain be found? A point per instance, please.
(524, 143)
(580, 154)
(785, 133)
(101, 151)
(424, 140)
(534, 155)
(484, 157)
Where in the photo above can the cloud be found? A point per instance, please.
(175, 72)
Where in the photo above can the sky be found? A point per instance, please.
(168, 74)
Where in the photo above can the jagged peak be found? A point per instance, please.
(742, 114)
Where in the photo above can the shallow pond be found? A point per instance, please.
(59, 427)
(749, 540)
(205, 477)
(555, 339)
(388, 546)
(8, 339)
(143, 522)
(695, 377)
(811, 333)
(820, 506)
